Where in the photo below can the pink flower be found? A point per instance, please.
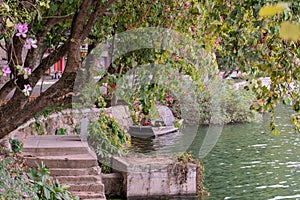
(177, 75)
(185, 4)
(27, 72)
(169, 100)
(221, 74)
(176, 58)
(217, 41)
(27, 89)
(30, 43)
(193, 28)
(135, 104)
(157, 102)
(6, 70)
(221, 18)
(22, 29)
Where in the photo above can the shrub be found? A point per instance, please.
(107, 137)
(15, 183)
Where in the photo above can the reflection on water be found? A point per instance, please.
(248, 162)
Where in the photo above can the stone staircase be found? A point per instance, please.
(70, 161)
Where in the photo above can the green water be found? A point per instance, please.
(247, 162)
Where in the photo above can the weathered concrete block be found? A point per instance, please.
(155, 176)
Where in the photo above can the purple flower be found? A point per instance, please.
(27, 72)
(6, 70)
(27, 89)
(22, 29)
(193, 28)
(157, 102)
(30, 43)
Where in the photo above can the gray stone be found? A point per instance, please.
(166, 115)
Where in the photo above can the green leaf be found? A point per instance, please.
(289, 31)
(46, 193)
(268, 11)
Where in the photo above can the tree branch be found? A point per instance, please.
(99, 10)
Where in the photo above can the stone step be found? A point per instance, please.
(52, 151)
(64, 161)
(96, 187)
(51, 145)
(78, 179)
(89, 195)
(75, 171)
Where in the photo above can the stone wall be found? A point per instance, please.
(69, 120)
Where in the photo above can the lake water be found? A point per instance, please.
(247, 161)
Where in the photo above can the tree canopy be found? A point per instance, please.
(37, 33)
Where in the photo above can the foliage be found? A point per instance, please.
(61, 131)
(251, 43)
(233, 104)
(234, 31)
(106, 137)
(47, 188)
(16, 145)
(14, 182)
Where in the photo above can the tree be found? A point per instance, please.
(58, 28)
(61, 26)
(232, 30)
(251, 42)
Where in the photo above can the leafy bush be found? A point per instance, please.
(16, 145)
(15, 183)
(107, 137)
(233, 105)
(46, 187)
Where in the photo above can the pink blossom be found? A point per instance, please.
(27, 72)
(27, 89)
(221, 18)
(170, 99)
(177, 75)
(193, 28)
(217, 41)
(22, 29)
(6, 70)
(157, 102)
(185, 4)
(135, 104)
(176, 58)
(183, 52)
(221, 74)
(30, 43)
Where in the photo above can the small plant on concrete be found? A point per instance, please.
(181, 170)
(16, 145)
(61, 131)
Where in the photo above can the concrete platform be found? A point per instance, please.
(155, 176)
